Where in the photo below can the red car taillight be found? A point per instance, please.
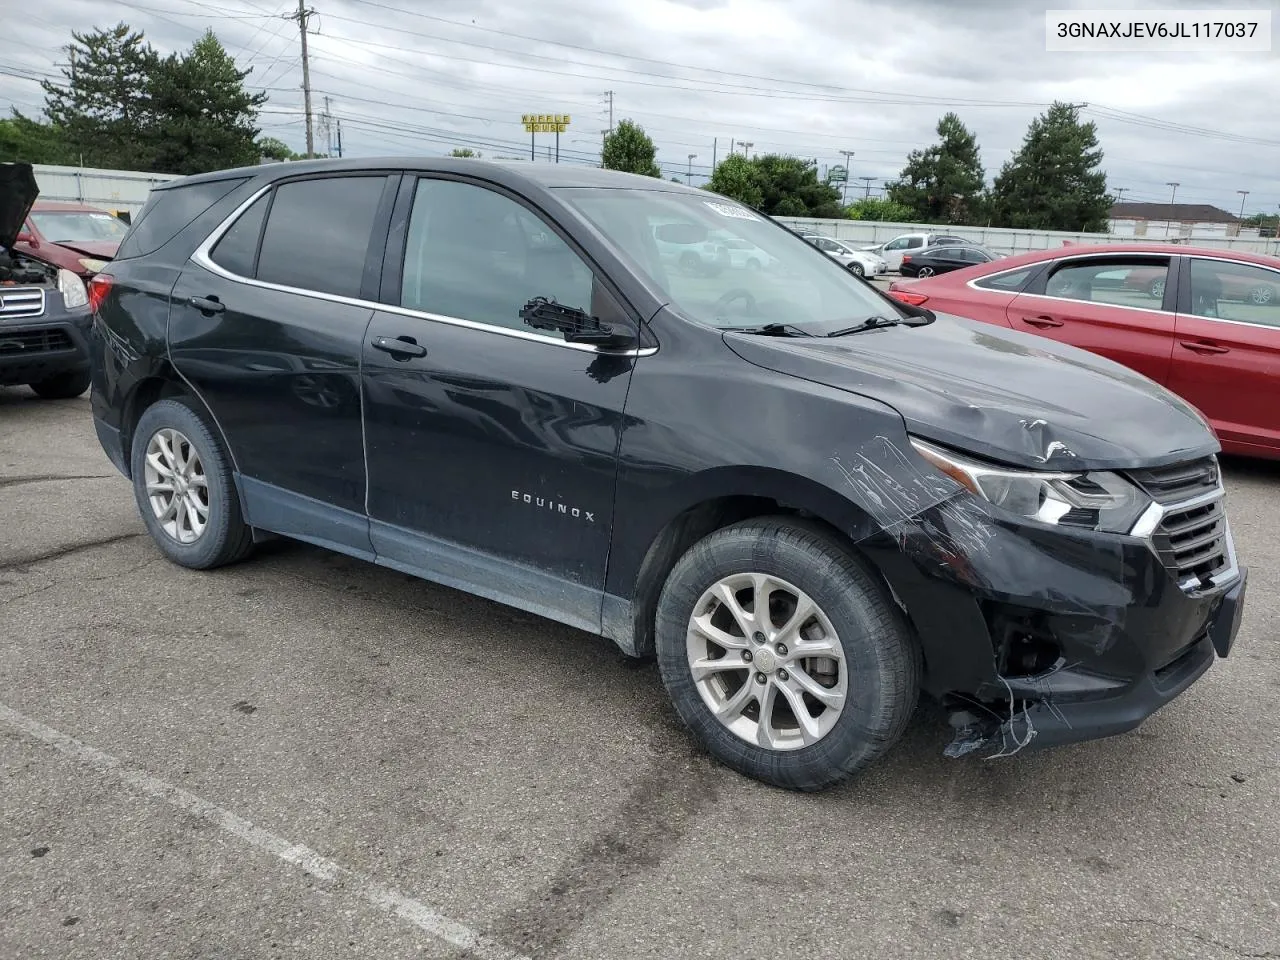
(99, 287)
(914, 299)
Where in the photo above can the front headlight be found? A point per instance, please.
(93, 266)
(1097, 500)
(72, 289)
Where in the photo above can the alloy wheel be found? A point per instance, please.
(766, 661)
(1261, 294)
(177, 487)
(925, 272)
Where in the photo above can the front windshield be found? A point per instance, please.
(71, 226)
(724, 265)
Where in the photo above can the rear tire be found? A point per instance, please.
(63, 386)
(869, 685)
(176, 457)
(924, 272)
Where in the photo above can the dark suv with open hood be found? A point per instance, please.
(809, 501)
(44, 309)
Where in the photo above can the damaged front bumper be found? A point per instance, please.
(1035, 637)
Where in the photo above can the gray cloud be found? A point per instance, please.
(810, 77)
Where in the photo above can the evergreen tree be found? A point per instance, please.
(103, 107)
(1054, 182)
(203, 117)
(943, 183)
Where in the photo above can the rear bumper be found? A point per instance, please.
(34, 349)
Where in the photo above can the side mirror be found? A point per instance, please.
(578, 326)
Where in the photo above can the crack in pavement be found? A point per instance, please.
(63, 580)
(21, 564)
(50, 477)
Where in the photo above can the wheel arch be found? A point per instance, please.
(711, 501)
(163, 382)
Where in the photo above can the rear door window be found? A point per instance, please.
(317, 236)
(1118, 281)
(167, 211)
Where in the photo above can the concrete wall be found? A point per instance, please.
(1008, 242)
(109, 189)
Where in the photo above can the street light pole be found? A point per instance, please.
(1169, 220)
(746, 148)
(848, 160)
(689, 176)
(867, 193)
(1243, 194)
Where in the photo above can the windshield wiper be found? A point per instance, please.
(771, 330)
(871, 323)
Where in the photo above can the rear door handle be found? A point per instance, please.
(1042, 321)
(207, 304)
(1203, 347)
(400, 348)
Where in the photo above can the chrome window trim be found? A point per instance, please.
(202, 257)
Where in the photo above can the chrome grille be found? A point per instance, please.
(1178, 481)
(1192, 538)
(18, 302)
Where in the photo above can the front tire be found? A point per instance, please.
(857, 270)
(807, 694)
(63, 386)
(184, 489)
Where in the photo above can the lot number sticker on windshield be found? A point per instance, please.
(728, 210)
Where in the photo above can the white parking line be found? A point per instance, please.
(351, 881)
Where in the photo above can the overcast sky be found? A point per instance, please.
(809, 77)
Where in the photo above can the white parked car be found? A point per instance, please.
(743, 254)
(861, 262)
(891, 251)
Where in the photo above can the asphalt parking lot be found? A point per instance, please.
(307, 756)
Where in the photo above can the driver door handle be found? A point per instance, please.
(207, 304)
(401, 348)
(1203, 347)
(1042, 321)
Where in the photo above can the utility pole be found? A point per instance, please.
(844, 187)
(715, 151)
(1243, 194)
(609, 96)
(689, 176)
(339, 138)
(326, 128)
(867, 181)
(303, 16)
(746, 148)
(1120, 192)
(1169, 220)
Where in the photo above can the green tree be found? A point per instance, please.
(736, 177)
(791, 188)
(22, 138)
(203, 117)
(629, 149)
(1054, 181)
(103, 107)
(878, 208)
(464, 152)
(269, 148)
(942, 183)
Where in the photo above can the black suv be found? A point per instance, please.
(44, 311)
(811, 502)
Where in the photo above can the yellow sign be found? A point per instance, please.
(545, 122)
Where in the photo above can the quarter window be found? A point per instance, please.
(1228, 290)
(1011, 282)
(239, 245)
(317, 236)
(168, 211)
(1121, 283)
(477, 255)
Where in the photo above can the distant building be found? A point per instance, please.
(1159, 220)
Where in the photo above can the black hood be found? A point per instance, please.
(18, 191)
(999, 394)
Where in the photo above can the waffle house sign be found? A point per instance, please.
(545, 122)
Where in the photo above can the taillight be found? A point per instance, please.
(913, 299)
(99, 287)
(906, 257)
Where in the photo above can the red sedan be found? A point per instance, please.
(1205, 323)
(73, 236)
